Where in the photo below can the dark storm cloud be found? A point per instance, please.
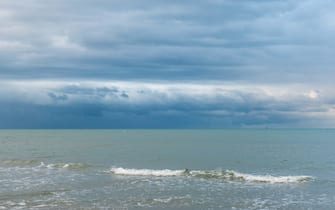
(59, 104)
(56, 97)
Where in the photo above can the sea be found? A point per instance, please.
(167, 169)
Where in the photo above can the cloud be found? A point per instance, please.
(63, 42)
(55, 97)
(313, 94)
(171, 105)
(113, 63)
(277, 41)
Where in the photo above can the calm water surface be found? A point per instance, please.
(167, 169)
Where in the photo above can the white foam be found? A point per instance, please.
(146, 172)
(268, 178)
(164, 200)
(170, 199)
(64, 165)
(226, 175)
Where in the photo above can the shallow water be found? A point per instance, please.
(167, 169)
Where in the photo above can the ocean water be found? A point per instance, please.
(167, 169)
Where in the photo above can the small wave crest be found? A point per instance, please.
(146, 172)
(214, 174)
(70, 166)
(158, 202)
(237, 176)
(22, 163)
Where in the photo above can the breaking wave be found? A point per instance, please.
(146, 172)
(214, 174)
(228, 175)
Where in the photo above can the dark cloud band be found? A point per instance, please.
(119, 104)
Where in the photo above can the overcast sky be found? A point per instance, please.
(167, 64)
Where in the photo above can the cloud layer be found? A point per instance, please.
(115, 104)
(166, 64)
(252, 40)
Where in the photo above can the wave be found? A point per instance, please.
(71, 166)
(149, 203)
(237, 176)
(227, 175)
(146, 172)
(21, 163)
(214, 174)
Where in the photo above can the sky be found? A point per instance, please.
(167, 64)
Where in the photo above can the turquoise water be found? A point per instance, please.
(167, 169)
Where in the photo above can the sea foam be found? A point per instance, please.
(214, 174)
(71, 166)
(237, 176)
(35, 163)
(146, 172)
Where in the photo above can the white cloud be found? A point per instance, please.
(6, 46)
(313, 94)
(5, 13)
(64, 42)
